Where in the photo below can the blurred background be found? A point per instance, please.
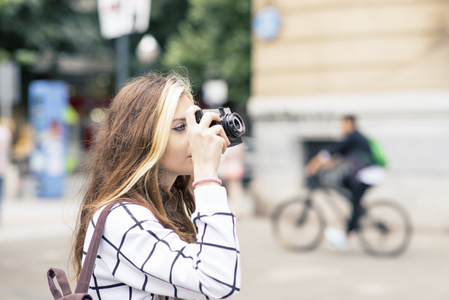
(290, 68)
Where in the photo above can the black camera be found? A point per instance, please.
(232, 123)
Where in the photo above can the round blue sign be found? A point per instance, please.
(267, 23)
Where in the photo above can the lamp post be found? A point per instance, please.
(215, 92)
(122, 60)
(119, 19)
(9, 88)
(148, 50)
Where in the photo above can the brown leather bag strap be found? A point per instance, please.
(62, 281)
(89, 262)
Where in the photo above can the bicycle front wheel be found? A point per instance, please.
(385, 229)
(298, 225)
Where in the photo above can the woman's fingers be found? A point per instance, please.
(219, 130)
(190, 115)
(208, 118)
(205, 122)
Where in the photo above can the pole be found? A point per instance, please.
(9, 89)
(122, 61)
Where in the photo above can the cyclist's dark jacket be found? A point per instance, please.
(356, 149)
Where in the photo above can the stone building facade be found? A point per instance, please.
(387, 62)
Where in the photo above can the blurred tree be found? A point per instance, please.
(165, 16)
(214, 42)
(33, 29)
(211, 38)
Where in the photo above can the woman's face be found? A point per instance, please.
(177, 159)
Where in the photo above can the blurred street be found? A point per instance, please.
(293, 70)
(35, 235)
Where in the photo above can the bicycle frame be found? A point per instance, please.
(330, 192)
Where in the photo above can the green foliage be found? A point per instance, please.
(210, 38)
(29, 28)
(165, 16)
(214, 42)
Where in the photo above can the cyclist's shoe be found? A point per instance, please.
(337, 238)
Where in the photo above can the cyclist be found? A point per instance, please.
(363, 173)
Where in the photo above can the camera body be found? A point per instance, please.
(232, 123)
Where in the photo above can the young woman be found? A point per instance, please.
(165, 236)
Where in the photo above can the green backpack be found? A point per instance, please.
(378, 153)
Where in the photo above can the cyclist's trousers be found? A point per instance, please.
(357, 189)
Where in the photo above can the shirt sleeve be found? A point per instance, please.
(139, 252)
(343, 147)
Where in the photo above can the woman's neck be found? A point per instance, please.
(166, 180)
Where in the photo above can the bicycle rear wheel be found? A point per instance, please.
(385, 229)
(298, 225)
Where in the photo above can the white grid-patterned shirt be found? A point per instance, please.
(139, 258)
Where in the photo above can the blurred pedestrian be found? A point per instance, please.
(166, 235)
(363, 172)
(21, 153)
(5, 154)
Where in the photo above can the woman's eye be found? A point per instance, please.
(180, 127)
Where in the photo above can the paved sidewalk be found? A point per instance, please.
(35, 235)
(35, 218)
(32, 217)
(270, 272)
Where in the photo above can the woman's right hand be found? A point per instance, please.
(206, 143)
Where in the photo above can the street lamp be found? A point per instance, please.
(148, 49)
(215, 92)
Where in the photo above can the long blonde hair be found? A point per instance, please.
(125, 159)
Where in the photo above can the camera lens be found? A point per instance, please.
(233, 125)
(237, 124)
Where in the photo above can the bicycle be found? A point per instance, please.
(298, 224)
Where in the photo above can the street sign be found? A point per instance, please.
(123, 17)
(267, 23)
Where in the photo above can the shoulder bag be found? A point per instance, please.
(86, 271)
